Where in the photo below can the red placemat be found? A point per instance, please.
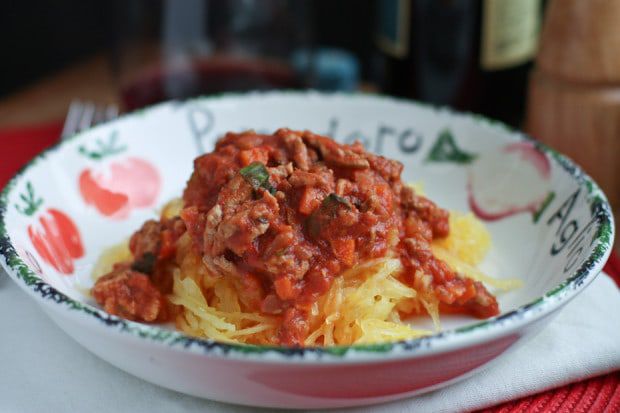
(19, 145)
(599, 394)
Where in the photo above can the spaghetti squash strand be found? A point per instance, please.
(363, 305)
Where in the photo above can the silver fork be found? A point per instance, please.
(84, 114)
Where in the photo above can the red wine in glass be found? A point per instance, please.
(207, 76)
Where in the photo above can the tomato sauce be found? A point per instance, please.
(295, 209)
(285, 214)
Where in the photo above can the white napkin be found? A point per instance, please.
(43, 370)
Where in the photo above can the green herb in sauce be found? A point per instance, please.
(257, 176)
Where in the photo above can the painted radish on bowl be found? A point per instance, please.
(120, 185)
(54, 235)
(517, 165)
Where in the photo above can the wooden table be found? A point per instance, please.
(48, 99)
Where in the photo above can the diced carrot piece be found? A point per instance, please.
(317, 283)
(344, 249)
(260, 154)
(310, 200)
(385, 193)
(284, 288)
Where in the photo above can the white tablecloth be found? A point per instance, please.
(43, 370)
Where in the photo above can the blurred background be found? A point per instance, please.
(136, 52)
(548, 67)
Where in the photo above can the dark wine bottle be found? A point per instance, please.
(472, 55)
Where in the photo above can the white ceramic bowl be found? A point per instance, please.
(551, 226)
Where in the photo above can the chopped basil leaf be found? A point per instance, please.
(256, 175)
(332, 202)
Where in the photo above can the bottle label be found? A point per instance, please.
(393, 27)
(509, 32)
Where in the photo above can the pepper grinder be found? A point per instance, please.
(574, 91)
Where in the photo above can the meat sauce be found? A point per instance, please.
(284, 214)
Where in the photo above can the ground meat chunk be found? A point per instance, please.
(427, 211)
(237, 219)
(298, 149)
(335, 154)
(389, 169)
(233, 194)
(454, 292)
(211, 171)
(145, 245)
(301, 178)
(463, 295)
(130, 294)
(154, 241)
(146, 240)
(238, 230)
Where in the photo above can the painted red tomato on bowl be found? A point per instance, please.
(54, 235)
(120, 185)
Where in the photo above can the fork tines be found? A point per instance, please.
(84, 114)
